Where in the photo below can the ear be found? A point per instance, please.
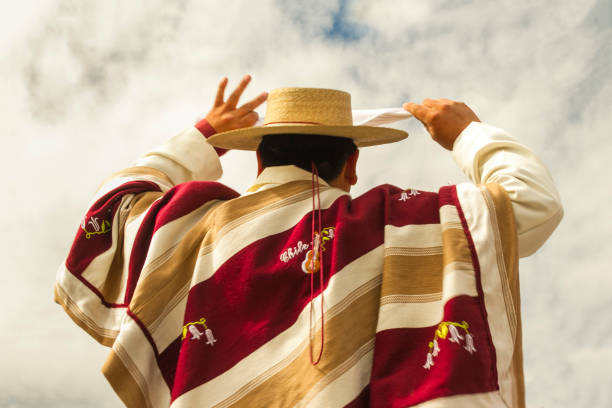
(259, 163)
(350, 168)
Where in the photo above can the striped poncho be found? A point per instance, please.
(203, 297)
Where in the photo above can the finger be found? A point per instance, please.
(254, 103)
(220, 92)
(249, 119)
(419, 111)
(233, 98)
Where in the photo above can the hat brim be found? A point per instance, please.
(362, 136)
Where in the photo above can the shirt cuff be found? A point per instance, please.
(207, 131)
(185, 157)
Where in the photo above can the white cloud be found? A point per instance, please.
(87, 86)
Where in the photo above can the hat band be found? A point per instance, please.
(292, 123)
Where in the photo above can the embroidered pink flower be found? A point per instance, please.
(469, 343)
(455, 336)
(436, 348)
(209, 336)
(429, 362)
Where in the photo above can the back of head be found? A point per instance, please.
(329, 153)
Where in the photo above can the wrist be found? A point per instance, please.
(207, 130)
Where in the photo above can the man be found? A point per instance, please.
(296, 294)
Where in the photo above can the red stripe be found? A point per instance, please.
(399, 378)
(254, 296)
(177, 202)
(84, 249)
(291, 123)
(416, 210)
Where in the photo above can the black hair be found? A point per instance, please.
(329, 153)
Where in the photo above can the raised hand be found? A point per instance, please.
(444, 119)
(225, 115)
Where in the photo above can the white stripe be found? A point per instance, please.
(170, 326)
(357, 273)
(481, 400)
(137, 354)
(88, 303)
(479, 223)
(347, 387)
(449, 217)
(424, 314)
(413, 236)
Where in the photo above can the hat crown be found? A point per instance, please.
(308, 106)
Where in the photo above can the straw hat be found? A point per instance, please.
(307, 111)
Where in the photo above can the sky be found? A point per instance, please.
(87, 86)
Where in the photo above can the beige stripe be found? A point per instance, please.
(117, 271)
(103, 336)
(142, 202)
(125, 386)
(432, 297)
(412, 275)
(413, 251)
(325, 399)
(345, 333)
(506, 240)
(455, 246)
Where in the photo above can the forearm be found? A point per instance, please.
(489, 155)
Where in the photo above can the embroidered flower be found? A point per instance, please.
(469, 343)
(455, 336)
(197, 334)
(429, 362)
(209, 336)
(98, 227)
(443, 331)
(436, 348)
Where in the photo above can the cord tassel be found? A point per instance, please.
(317, 258)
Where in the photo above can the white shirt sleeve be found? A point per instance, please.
(487, 154)
(185, 157)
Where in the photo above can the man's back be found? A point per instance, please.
(211, 299)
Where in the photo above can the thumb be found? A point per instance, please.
(417, 110)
